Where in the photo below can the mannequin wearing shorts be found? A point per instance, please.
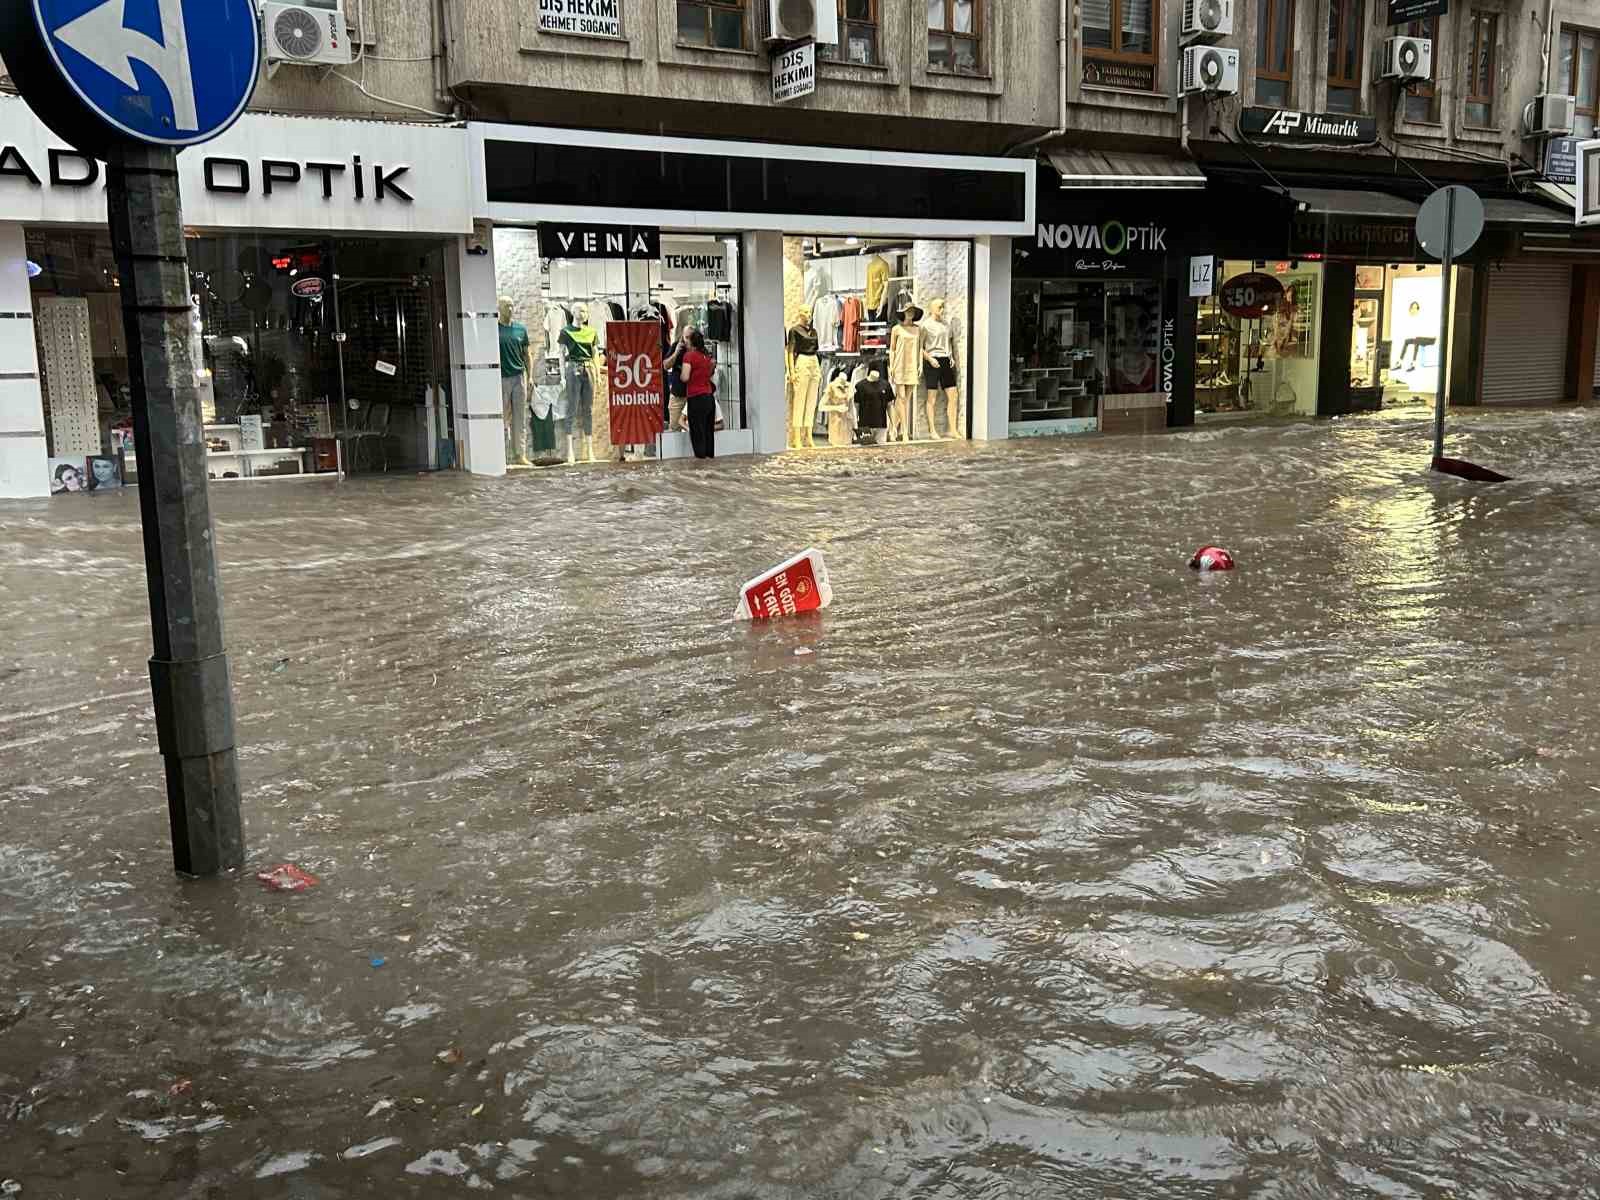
(578, 346)
(939, 370)
(514, 358)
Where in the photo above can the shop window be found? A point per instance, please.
(1346, 24)
(1119, 43)
(876, 344)
(1580, 50)
(955, 39)
(565, 307)
(1266, 364)
(1274, 52)
(1422, 99)
(858, 34)
(1484, 28)
(719, 24)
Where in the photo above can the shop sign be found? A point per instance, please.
(1402, 12)
(1169, 355)
(309, 288)
(1103, 248)
(263, 173)
(686, 260)
(1561, 160)
(1133, 77)
(563, 240)
(633, 375)
(1351, 237)
(794, 72)
(586, 18)
(1202, 276)
(1251, 295)
(1323, 129)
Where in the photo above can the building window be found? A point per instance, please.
(1274, 51)
(1346, 21)
(1119, 43)
(953, 36)
(719, 24)
(1422, 98)
(1580, 50)
(1485, 28)
(858, 33)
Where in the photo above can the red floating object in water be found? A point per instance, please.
(287, 878)
(1211, 558)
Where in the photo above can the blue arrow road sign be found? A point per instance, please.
(172, 72)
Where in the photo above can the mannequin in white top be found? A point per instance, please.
(939, 370)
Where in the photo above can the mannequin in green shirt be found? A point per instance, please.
(514, 383)
(579, 345)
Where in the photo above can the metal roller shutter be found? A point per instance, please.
(1525, 333)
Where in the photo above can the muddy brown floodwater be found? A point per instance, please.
(1053, 870)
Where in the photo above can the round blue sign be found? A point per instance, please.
(170, 72)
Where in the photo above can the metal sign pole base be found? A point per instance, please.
(189, 670)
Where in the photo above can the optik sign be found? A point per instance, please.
(164, 72)
(1106, 247)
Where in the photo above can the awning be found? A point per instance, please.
(1563, 195)
(1526, 213)
(1096, 169)
(1339, 202)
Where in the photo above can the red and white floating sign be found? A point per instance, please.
(798, 585)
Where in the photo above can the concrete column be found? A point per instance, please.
(766, 405)
(991, 339)
(475, 360)
(24, 465)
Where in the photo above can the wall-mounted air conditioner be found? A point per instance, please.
(796, 20)
(1407, 58)
(314, 35)
(1549, 115)
(1210, 70)
(1207, 20)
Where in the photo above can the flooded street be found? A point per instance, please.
(1038, 866)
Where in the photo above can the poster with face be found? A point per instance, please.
(104, 472)
(67, 475)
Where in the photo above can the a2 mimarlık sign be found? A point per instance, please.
(180, 73)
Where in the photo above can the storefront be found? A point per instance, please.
(1102, 326)
(842, 296)
(319, 252)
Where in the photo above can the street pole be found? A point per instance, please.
(1444, 321)
(189, 675)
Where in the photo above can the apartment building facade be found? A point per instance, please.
(1028, 176)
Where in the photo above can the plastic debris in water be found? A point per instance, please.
(378, 962)
(1211, 558)
(797, 585)
(286, 877)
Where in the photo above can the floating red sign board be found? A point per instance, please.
(309, 288)
(1251, 295)
(633, 371)
(796, 586)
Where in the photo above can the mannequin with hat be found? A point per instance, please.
(905, 370)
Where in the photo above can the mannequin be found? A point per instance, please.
(873, 398)
(939, 370)
(514, 383)
(836, 403)
(905, 370)
(578, 344)
(804, 376)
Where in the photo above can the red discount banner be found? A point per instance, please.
(633, 371)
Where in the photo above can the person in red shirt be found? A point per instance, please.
(696, 375)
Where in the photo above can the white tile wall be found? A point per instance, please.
(24, 467)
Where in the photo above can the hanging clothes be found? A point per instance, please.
(819, 280)
(719, 321)
(825, 320)
(850, 324)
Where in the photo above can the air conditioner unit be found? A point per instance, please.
(1207, 20)
(304, 33)
(1407, 58)
(1549, 115)
(1213, 70)
(792, 20)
